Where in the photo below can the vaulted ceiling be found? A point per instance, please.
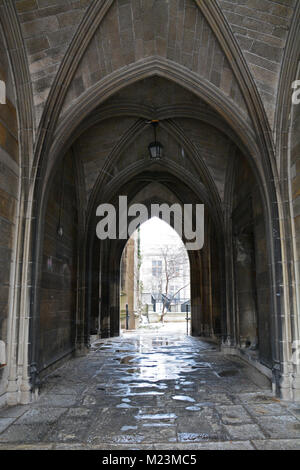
(106, 35)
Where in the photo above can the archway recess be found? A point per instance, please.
(210, 73)
(203, 162)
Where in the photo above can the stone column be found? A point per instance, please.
(245, 290)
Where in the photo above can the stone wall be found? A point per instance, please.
(210, 285)
(213, 147)
(9, 181)
(48, 27)
(261, 29)
(95, 146)
(253, 291)
(59, 269)
(170, 29)
(295, 184)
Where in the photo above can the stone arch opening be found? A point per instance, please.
(219, 131)
(207, 315)
(155, 279)
(112, 158)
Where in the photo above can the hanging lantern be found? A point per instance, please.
(155, 148)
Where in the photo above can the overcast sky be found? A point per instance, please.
(155, 232)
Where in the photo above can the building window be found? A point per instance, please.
(174, 294)
(156, 268)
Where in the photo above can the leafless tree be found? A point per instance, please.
(174, 264)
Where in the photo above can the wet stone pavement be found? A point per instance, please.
(153, 391)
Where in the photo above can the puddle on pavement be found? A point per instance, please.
(157, 417)
(148, 360)
(161, 342)
(148, 385)
(142, 394)
(128, 428)
(124, 405)
(190, 437)
(157, 425)
(183, 398)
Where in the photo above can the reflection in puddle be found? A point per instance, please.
(160, 342)
(160, 366)
(143, 394)
(183, 398)
(128, 439)
(153, 359)
(148, 385)
(157, 425)
(158, 416)
(128, 428)
(191, 437)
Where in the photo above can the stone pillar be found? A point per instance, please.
(245, 290)
(104, 295)
(114, 302)
(196, 293)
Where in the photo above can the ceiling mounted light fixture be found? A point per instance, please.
(155, 148)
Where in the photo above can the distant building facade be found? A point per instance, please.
(161, 258)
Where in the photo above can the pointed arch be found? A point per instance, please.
(154, 66)
(284, 119)
(232, 50)
(18, 387)
(56, 135)
(92, 18)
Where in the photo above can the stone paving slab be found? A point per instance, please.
(153, 392)
(279, 444)
(4, 423)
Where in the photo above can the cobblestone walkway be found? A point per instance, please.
(153, 391)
